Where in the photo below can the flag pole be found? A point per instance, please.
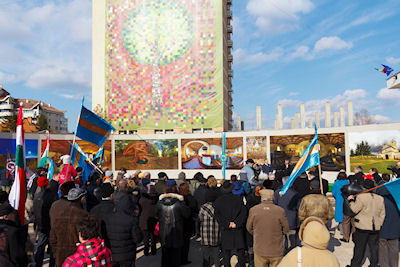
(320, 177)
(74, 140)
(373, 188)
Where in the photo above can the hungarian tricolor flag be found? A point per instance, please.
(45, 153)
(17, 193)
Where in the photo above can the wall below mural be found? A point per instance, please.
(256, 148)
(374, 149)
(332, 150)
(205, 153)
(146, 154)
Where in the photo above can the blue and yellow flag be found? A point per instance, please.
(386, 69)
(93, 128)
(51, 169)
(309, 159)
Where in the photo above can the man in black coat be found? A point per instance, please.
(15, 236)
(104, 209)
(124, 198)
(45, 195)
(302, 185)
(290, 202)
(123, 233)
(231, 215)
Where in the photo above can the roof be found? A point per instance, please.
(3, 92)
(30, 104)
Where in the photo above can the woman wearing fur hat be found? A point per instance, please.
(171, 212)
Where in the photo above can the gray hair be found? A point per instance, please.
(358, 167)
(285, 179)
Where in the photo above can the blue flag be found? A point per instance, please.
(394, 189)
(51, 168)
(99, 157)
(93, 128)
(309, 159)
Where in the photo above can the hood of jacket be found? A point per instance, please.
(314, 233)
(169, 199)
(93, 249)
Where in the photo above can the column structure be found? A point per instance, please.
(327, 115)
(302, 116)
(342, 117)
(350, 120)
(259, 120)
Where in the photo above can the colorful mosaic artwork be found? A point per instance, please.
(164, 64)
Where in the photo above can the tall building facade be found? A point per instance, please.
(163, 64)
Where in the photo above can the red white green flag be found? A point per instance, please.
(43, 159)
(17, 193)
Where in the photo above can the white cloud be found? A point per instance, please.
(294, 93)
(7, 78)
(389, 96)
(55, 77)
(331, 43)
(48, 46)
(301, 52)
(393, 60)
(240, 56)
(278, 16)
(381, 119)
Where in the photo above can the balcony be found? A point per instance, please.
(229, 2)
(229, 14)
(394, 81)
(230, 58)
(229, 28)
(229, 43)
(230, 74)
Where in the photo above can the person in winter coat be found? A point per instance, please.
(189, 225)
(315, 204)
(15, 236)
(370, 214)
(268, 224)
(126, 197)
(357, 178)
(341, 181)
(209, 232)
(123, 235)
(290, 202)
(172, 213)
(375, 173)
(104, 209)
(348, 216)
(247, 173)
(197, 180)
(231, 215)
(67, 174)
(42, 202)
(252, 200)
(147, 220)
(4, 258)
(160, 185)
(390, 231)
(91, 251)
(302, 185)
(314, 253)
(63, 233)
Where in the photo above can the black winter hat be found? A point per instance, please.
(106, 190)
(5, 209)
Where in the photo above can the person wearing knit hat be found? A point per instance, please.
(267, 224)
(42, 182)
(66, 161)
(314, 253)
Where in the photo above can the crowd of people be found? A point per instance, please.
(103, 221)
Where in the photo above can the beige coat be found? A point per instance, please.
(370, 209)
(315, 238)
(316, 205)
(267, 223)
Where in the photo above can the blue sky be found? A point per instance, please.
(285, 51)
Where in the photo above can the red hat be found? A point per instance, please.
(368, 176)
(42, 181)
